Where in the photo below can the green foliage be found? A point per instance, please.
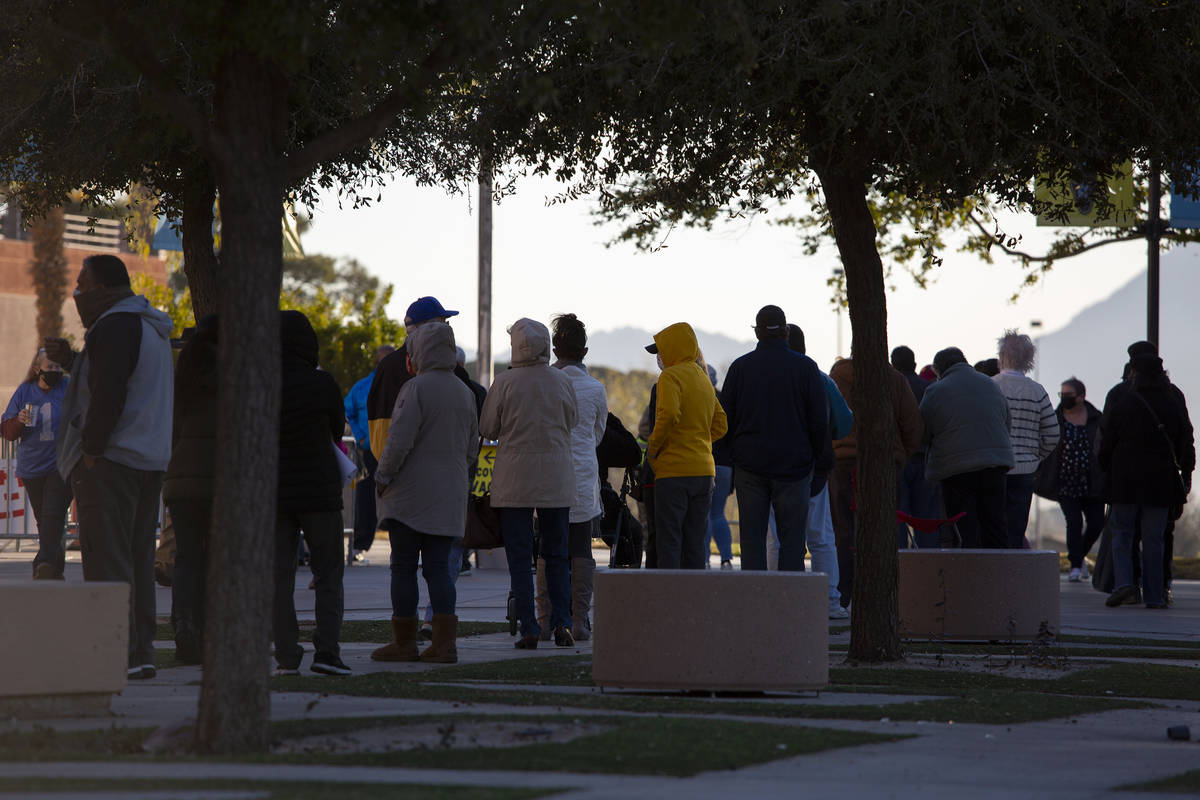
(628, 392)
(350, 324)
(175, 302)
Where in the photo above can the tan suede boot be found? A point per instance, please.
(444, 650)
(403, 646)
(582, 572)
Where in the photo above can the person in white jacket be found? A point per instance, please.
(569, 339)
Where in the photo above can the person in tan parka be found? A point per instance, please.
(531, 409)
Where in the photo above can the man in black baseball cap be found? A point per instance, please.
(778, 415)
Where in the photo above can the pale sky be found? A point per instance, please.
(553, 259)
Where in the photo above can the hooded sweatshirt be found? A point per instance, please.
(530, 409)
(906, 412)
(119, 401)
(586, 436)
(687, 416)
(311, 419)
(426, 465)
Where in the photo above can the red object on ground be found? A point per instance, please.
(927, 525)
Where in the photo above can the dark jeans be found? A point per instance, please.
(323, 535)
(50, 497)
(193, 522)
(918, 498)
(841, 510)
(651, 538)
(433, 553)
(1122, 521)
(979, 494)
(681, 520)
(1079, 538)
(364, 505)
(757, 496)
(579, 539)
(516, 527)
(1018, 497)
(117, 508)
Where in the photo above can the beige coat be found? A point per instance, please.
(530, 410)
(425, 468)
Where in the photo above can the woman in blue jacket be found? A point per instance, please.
(32, 419)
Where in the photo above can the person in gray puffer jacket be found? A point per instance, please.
(423, 482)
(968, 447)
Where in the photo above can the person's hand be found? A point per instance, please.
(23, 416)
(58, 350)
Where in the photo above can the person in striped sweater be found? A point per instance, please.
(1033, 428)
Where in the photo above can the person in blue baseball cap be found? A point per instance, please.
(392, 372)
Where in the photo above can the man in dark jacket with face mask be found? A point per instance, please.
(116, 438)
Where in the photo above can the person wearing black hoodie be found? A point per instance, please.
(311, 420)
(1148, 453)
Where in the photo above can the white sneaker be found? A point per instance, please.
(837, 612)
(1073, 575)
(1084, 575)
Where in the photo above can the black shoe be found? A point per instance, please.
(563, 637)
(527, 643)
(1156, 605)
(329, 665)
(1126, 595)
(426, 632)
(142, 672)
(188, 653)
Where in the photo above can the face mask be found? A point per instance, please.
(91, 305)
(51, 379)
(1069, 402)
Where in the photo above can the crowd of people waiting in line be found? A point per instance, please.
(972, 443)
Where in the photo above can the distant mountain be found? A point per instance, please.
(1092, 345)
(624, 349)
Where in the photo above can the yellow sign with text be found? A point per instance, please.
(483, 470)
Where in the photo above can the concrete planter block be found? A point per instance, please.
(711, 630)
(63, 640)
(978, 594)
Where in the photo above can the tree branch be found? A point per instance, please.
(1029, 257)
(355, 131)
(126, 44)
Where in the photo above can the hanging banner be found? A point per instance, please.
(1123, 212)
(15, 516)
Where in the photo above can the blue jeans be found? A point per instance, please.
(757, 497)
(516, 528)
(433, 552)
(454, 564)
(718, 526)
(1018, 497)
(1122, 521)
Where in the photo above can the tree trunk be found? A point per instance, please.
(200, 262)
(49, 272)
(234, 712)
(874, 629)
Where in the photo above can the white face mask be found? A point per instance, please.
(658, 358)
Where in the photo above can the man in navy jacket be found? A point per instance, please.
(775, 400)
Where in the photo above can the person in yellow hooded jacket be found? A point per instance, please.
(687, 420)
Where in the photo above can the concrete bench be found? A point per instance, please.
(66, 647)
(711, 630)
(978, 594)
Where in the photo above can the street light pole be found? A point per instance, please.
(483, 360)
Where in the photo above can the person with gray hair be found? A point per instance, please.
(1033, 428)
(968, 447)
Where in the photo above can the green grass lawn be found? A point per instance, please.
(276, 790)
(1183, 783)
(629, 745)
